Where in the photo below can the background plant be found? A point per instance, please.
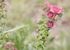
(3, 17)
(5, 34)
(51, 12)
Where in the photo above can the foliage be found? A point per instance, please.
(43, 28)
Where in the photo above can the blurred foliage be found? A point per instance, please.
(18, 37)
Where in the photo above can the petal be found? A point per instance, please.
(51, 10)
(54, 6)
(60, 11)
(59, 7)
(49, 5)
(46, 3)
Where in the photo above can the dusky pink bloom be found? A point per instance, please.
(55, 19)
(62, 9)
(54, 26)
(43, 8)
(6, 2)
(3, 0)
(56, 9)
(12, 43)
(3, 6)
(45, 3)
(44, 23)
(47, 11)
(48, 4)
(13, 48)
(6, 9)
(7, 46)
(46, 38)
(50, 14)
(50, 24)
(42, 14)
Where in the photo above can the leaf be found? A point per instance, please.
(14, 29)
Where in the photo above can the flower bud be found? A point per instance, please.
(42, 14)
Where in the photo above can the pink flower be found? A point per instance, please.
(6, 9)
(56, 9)
(46, 38)
(7, 46)
(12, 43)
(45, 3)
(3, 0)
(48, 4)
(50, 24)
(55, 19)
(42, 14)
(6, 2)
(13, 48)
(47, 11)
(50, 14)
(43, 8)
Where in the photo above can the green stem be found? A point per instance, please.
(48, 29)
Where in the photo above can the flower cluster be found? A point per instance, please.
(51, 12)
(3, 15)
(47, 22)
(10, 46)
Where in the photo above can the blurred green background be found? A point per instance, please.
(27, 12)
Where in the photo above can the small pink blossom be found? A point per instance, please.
(62, 9)
(13, 48)
(3, 0)
(54, 26)
(12, 43)
(48, 4)
(56, 9)
(43, 8)
(47, 11)
(7, 46)
(6, 9)
(55, 19)
(6, 2)
(3, 6)
(46, 38)
(42, 14)
(50, 24)
(50, 14)
(45, 3)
